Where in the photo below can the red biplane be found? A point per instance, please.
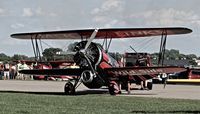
(96, 67)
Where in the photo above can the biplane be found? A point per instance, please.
(96, 67)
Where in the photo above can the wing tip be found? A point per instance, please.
(184, 30)
(188, 30)
(12, 35)
(16, 36)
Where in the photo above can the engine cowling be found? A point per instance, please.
(87, 76)
(90, 80)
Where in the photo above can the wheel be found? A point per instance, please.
(149, 85)
(69, 89)
(113, 88)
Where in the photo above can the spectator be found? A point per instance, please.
(18, 69)
(1, 70)
(23, 66)
(6, 71)
(12, 71)
(31, 67)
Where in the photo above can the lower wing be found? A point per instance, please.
(69, 71)
(142, 73)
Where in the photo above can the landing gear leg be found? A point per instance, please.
(69, 89)
(113, 88)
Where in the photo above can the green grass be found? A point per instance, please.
(23, 103)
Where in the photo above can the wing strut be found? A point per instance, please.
(106, 44)
(36, 48)
(33, 48)
(162, 48)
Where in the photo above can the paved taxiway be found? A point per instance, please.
(56, 87)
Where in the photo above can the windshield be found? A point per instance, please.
(112, 61)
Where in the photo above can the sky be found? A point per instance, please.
(18, 16)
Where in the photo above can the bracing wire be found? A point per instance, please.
(147, 44)
(65, 46)
(47, 44)
(41, 45)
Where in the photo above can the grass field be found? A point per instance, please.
(23, 103)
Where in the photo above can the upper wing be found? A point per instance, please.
(69, 71)
(103, 33)
(142, 73)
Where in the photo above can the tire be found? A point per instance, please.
(113, 88)
(69, 89)
(149, 85)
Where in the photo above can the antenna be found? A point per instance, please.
(133, 49)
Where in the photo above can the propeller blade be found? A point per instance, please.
(91, 38)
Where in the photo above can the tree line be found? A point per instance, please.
(51, 54)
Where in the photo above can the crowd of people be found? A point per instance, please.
(10, 70)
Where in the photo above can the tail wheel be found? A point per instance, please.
(69, 89)
(113, 88)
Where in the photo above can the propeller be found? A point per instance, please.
(85, 55)
(83, 50)
(86, 47)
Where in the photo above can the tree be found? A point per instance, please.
(191, 56)
(50, 53)
(172, 54)
(4, 57)
(72, 46)
(192, 62)
(17, 57)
